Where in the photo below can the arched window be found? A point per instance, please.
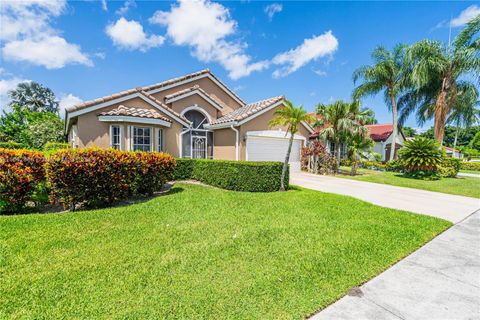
(197, 142)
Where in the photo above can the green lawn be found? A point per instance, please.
(464, 186)
(200, 252)
(470, 171)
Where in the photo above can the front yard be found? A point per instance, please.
(201, 252)
(463, 186)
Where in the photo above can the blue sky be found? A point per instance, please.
(304, 50)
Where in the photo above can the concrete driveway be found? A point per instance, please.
(449, 207)
(441, 280)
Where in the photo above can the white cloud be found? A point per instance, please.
(130, 35)
(126, 6)
(465, 16)
(311, 49)
(104, 5)
(68, 100)
(204, 26)
(28, 35)
(319, 72)
(272, 9)
(52, 52)
(7, 85)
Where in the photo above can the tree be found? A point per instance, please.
(475, 143)
(359, 146)
(291, 117)
(340, 120)
(32, 129)
(465, 112)
(438, 75)
(387, 74)
(409, 132)
(34, 97)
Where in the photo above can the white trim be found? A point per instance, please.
(119, 135)
(134, 120)
(308, 127)
(221, 125)
(237, 138)
(167, 112)
(204, 75)
(197, 108)
(278, 134)
(191, 93)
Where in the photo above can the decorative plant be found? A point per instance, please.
(316, 159)
(359, 147)
(421, 157)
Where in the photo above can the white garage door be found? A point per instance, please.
(272, 146)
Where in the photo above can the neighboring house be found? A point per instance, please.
(453, 153)
(193, 116)
(381, 134)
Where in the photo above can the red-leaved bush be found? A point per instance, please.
(96, 177)
(21, 171)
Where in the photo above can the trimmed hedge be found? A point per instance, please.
(449, 167)
(54, 146)
(470, 166)
(262, 176)
(96, 177)
(11, 145)
(21, 173)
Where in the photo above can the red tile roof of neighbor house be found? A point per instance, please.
(451, 149)
(380, 132)
(134, 112)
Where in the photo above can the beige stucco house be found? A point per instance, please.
(193, 116)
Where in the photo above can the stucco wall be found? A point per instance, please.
(179, 105)
(224, 144)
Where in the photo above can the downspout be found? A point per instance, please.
(237, 135)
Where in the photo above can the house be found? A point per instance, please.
(192, 116)
(453, 153)
(381, 134)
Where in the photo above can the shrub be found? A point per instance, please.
(316, 159)
(21, 172)
(470, 166)
(449, 167)
(394, 166)
(54, 146)
(249, 176)
(373, 164)
(96, 177)
(11, 145)
(421, 155)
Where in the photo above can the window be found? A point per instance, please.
(115, 137)
(160, 140)
(141, 139)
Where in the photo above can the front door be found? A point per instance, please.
(199, 147)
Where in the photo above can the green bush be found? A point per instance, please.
(394, 166)
(373, 164)
(248, 176)
(11, 145)
(54, 146)
(96, 177)
(475, 166)
(421, 155)
(449, 167)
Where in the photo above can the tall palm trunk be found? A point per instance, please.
(395, 127)
(337, 155)
(441, 110)
(285, 164)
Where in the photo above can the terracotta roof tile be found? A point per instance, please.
(134, 112)
(380, 132)
(248, 110)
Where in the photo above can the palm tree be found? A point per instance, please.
(291, 117)
(340, 120)
(438, 75)
(359, 146)
(34, 97)
(465, 111)
(387, 74)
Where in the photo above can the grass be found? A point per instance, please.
(200, 252)
(464, 186)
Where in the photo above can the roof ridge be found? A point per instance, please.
(271, 98)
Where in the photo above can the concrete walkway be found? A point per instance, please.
(446, 206)
(439, 281)
(473, 175)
